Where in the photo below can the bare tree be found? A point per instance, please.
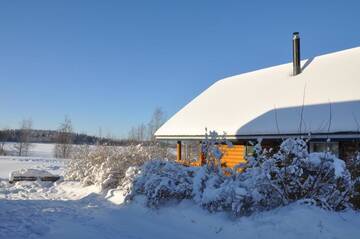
(4, 135)
(141, 132)
(63, 144)
(99, 140)
(138, 133)
(157, 119)
(132, 133)
(144, 132)
(22, 146)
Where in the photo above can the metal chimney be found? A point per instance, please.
(296, 54)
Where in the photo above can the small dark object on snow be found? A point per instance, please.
(32, 175)
(32, 178)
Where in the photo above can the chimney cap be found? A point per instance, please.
(296, 35)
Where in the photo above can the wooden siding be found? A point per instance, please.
(236, 154)
(232, 155)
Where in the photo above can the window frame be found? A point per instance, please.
(323, 146)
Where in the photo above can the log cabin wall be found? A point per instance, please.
(232, 155)
(190, 153)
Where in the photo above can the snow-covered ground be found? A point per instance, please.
(66, 209)
(36, 150)
(11, 163)
(40, 157)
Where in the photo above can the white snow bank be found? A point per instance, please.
(91, 217)
(38, 190)
(69, 210)
(116, 196)
(11, 163)
(27, 173)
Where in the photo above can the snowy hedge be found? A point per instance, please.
(162, 181)
(106, 165)
(354, 168)
(267, 181)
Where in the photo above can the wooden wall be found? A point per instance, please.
(232, 155)
(236, 154)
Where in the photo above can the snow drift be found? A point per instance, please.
(32, 175)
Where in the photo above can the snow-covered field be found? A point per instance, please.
(40, 157)
(36, 150)
(66, 209)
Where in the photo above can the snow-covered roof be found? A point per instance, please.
(323, 99)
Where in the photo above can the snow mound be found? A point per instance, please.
(32, 175)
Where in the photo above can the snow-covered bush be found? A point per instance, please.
(212, 190)
(212, 186)
(77, 167)
(106, 165)
(354, 168)
(210, 149)
(293, 174)
(161, 181)
(267, 181)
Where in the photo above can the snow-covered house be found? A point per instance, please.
(317, 98)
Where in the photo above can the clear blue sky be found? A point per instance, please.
(109, 64)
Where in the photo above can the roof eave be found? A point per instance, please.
(333, 135)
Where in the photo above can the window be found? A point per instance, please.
(190, 151)
(325, 146)
(249, 150)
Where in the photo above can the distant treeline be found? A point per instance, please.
(50, 136)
